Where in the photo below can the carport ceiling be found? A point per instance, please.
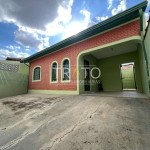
(115, 50)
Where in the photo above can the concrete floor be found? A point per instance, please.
(126, 93)
(56, 122)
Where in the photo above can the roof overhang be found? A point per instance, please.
(121, 18)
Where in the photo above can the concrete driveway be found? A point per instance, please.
(55, 122)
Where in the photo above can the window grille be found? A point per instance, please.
(66, 71)
(37, 72)
(54, 72)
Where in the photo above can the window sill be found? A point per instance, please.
(65, 81)
(36, 80)
(53, 82)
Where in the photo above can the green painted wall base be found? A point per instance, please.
(12, 90)
(53, 92)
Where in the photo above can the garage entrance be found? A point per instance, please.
(128, 76)
(120, 66)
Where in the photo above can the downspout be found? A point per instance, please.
(28, 76)
(143, 45)
(26, 64)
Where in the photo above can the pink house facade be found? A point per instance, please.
(119, 39)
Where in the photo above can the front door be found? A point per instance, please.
(86, 75)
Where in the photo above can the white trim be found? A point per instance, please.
(33, 74)
(51, 72)
(62, 81)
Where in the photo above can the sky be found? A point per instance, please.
(29, 26)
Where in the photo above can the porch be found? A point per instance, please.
(109, 59)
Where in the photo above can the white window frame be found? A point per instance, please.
(51, 72)
(63, 71)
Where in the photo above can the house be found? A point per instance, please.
(80, 62)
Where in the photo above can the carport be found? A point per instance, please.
(108, 59)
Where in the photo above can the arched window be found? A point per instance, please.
(54, 72)
(37, 74)
(65, 70)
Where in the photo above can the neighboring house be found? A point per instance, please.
(13, 77)
(106, 45)
(13, 59)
